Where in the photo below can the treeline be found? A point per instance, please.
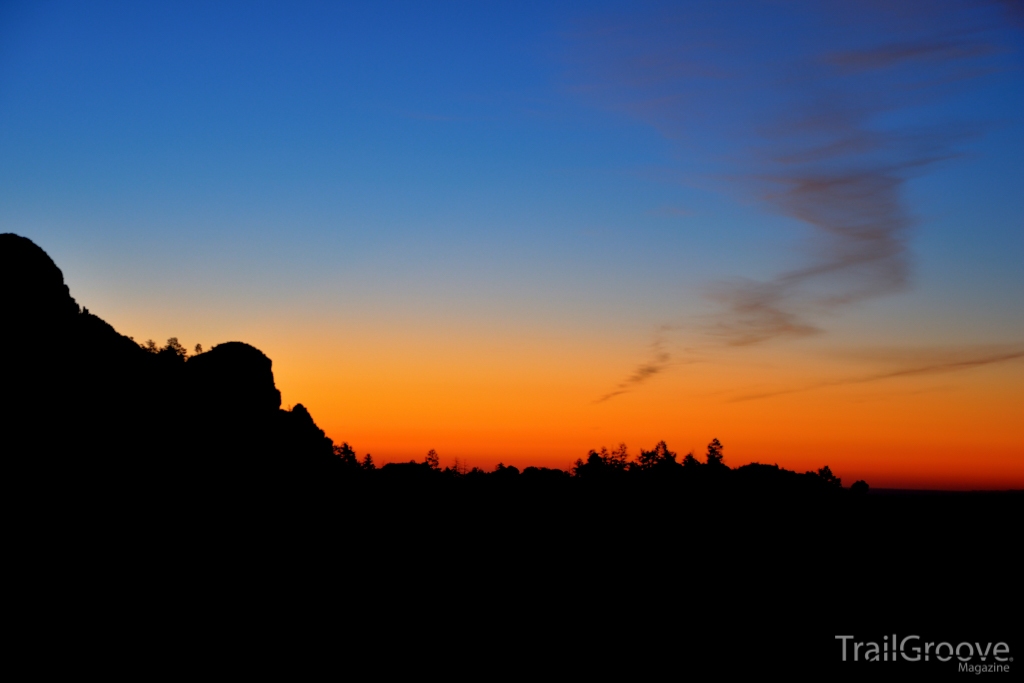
(603, 467)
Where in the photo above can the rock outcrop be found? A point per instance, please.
(87, 412)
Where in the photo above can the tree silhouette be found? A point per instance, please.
(603, 463)
(347, 455)
(432, 461)
(174, 348)
(503, 471)
(714, 456)
(618, 458)
(826, 475)
(660, 455)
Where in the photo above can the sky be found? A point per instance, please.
(518, 231)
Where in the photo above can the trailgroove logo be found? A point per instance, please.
(973, 658)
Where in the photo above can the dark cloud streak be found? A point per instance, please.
(954, 360)
(659, 361)
(813, 131)
(892, 55)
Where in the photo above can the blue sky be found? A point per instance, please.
(555, 142)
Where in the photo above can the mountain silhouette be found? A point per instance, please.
(89, 412)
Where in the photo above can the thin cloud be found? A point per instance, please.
(758, 312)
(660, 360)
(942, 361)
(817, 135)
(888, 56)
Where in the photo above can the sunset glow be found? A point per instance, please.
(515, 234)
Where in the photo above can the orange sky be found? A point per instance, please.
(944, 415)
(533, 402)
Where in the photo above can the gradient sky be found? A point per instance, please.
(518, 231)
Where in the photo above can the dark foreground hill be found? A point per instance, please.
(87, 408)
(156, 489)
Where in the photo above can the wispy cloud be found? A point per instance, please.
(934, 361)
(896, 54)
(861, 253)
(659, 360)
(818, 133)
(828, 166)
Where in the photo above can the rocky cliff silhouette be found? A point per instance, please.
(88, 412)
